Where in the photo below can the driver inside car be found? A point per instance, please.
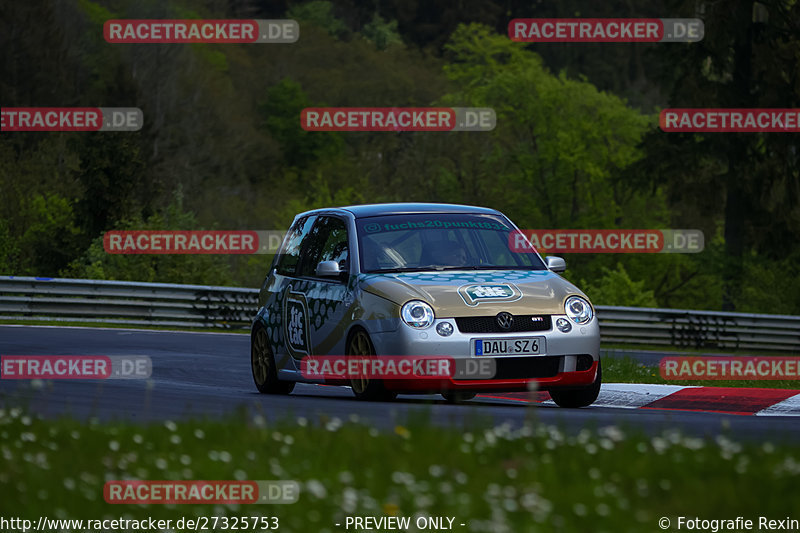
(449, 254)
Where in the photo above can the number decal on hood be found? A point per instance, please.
(475, 294)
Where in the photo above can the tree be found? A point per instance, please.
(281, 114)
(558, 142)
(749, 182)
(615, 287)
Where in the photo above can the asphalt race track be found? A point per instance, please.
(208, 375)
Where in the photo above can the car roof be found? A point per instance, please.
(408, 208)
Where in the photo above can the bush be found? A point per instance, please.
(616, 287)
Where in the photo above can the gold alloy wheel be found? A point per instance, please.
(359, 345)
(363, 387)
(260, 358)
(265, 373)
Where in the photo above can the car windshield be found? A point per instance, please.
(440, 241)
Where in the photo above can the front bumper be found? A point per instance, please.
(560, 365)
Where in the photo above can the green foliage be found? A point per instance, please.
(319, 13)
(770, 285)
(615, 287)
(320, 195)
(97, 14)
(8, 249)
(222, 125)
(50, 231)
(748, 183)
(559, 142)
(281, 111)
(382, 33)
(111, 175)
(215, 59)
(172, 268)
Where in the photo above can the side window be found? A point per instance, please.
(327, 242)
(289, 256)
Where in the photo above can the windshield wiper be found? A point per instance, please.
(491, 267)
(470, 267)
(429, 268)
(432, 268)
(529, 267)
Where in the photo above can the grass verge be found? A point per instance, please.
(492, 478)
(628, 370)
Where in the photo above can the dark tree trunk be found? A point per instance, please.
(740, 95)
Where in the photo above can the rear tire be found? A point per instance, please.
(458, 397)
(262, 363)
(579, 397)
(365, 388)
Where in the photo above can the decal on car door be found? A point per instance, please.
(295, 323)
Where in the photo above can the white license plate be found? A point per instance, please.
(508, 346)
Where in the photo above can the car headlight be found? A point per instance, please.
(578, 310)
(417, 314)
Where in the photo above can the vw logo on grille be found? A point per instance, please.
(504, 320)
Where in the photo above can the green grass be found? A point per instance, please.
(493, 478)
(628, 370)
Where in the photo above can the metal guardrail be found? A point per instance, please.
(125, 302)
(685, 328)
(203, 306)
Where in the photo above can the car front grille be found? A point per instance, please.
(488, 324)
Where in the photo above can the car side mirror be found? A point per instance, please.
(556, 264)
(328, 269)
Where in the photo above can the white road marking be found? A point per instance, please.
(788, 407)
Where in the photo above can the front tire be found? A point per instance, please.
(365, 388)
(579, 397)
(262, 363)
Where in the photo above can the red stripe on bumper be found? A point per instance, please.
(721, 400)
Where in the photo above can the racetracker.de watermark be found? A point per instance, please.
(592, 30)
(75, 367)
(201, 31)
(719, 120)
(414, 367)
(607, 241)
(730, 367)
(192, 242)
(398, 119)
(132, 491)
(71, 119)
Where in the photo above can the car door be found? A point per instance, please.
(325, 298)
(276, 294)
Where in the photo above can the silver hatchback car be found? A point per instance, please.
(414, 280)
